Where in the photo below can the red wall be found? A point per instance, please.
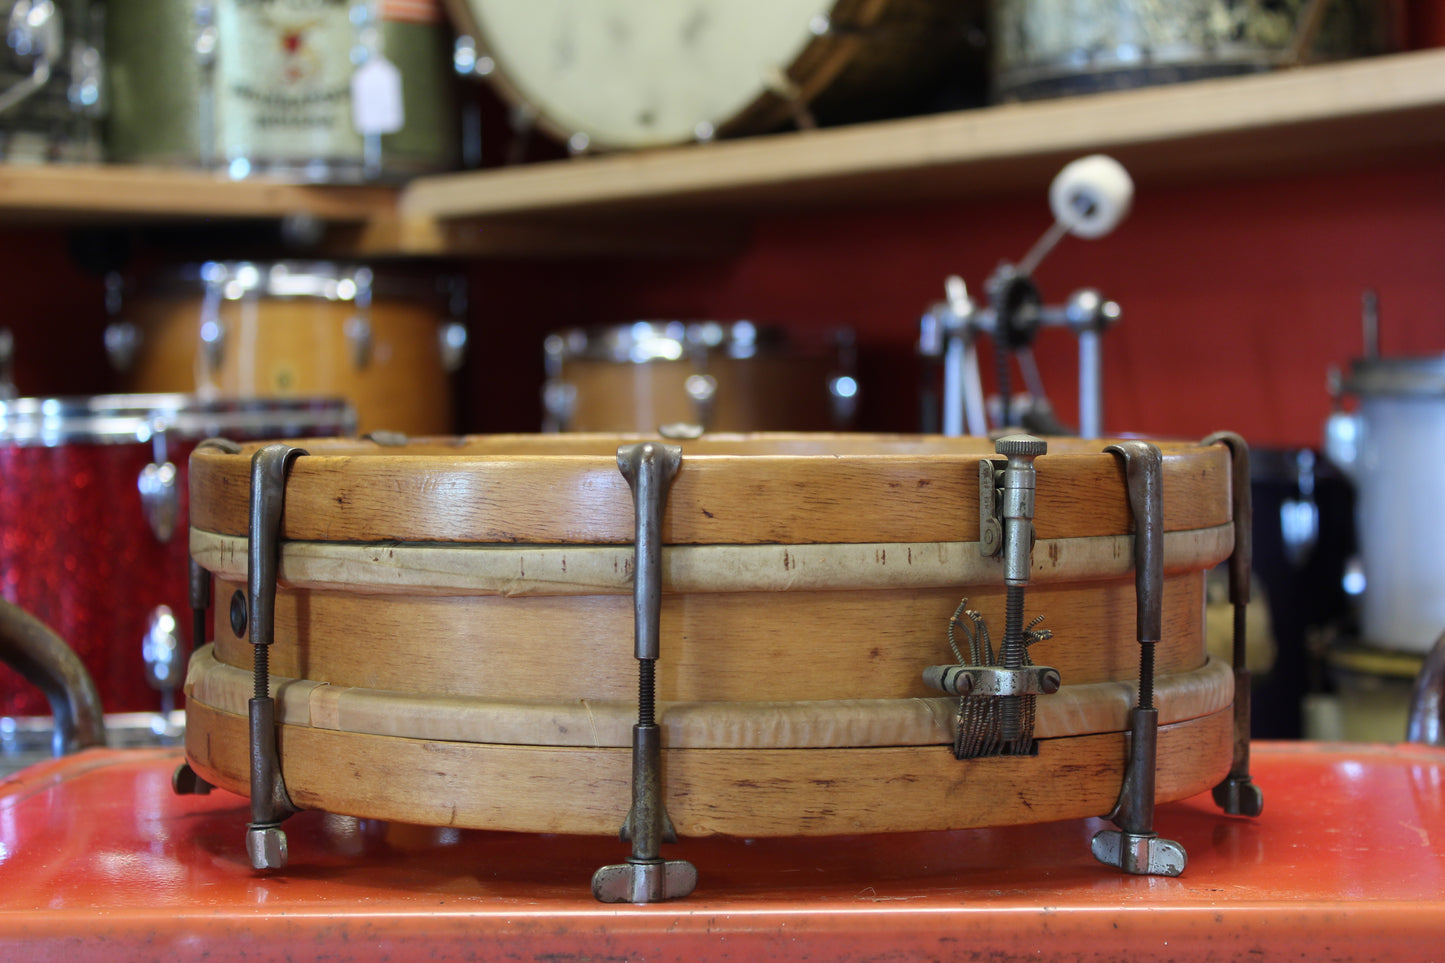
(1237, 297)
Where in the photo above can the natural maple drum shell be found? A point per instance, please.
(761, 393)
(757, 792)
(716, 647)
(795, 648)
(790, 489)
(298, 346)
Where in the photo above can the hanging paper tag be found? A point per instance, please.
(376, 97)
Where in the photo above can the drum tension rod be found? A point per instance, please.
(996, 711)
(185, 781)
(270, 803)
(1134, 847)
(1237, 795)
(646, 877)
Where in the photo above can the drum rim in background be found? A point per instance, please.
(130, 418)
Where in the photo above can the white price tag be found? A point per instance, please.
(376, 97)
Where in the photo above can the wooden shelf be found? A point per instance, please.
(82, 194)
(1307, 118)
(1384, 109)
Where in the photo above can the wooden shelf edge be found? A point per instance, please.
(883, 155)
(78, 193)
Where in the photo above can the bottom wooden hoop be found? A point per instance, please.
(741, 792)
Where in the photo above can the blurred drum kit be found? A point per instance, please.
(636, 617)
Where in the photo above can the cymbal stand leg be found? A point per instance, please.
(1134, 847)
(1237, 795)
(646, 877)
(270, 804)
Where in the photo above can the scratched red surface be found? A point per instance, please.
(99, 861)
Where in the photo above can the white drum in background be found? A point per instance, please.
(638, 73)
(1393, 447)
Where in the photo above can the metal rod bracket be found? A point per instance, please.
(270, 803)
(646, 877)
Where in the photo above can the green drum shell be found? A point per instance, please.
(1052, 48)
(156, 86)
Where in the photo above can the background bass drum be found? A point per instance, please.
(624, 73)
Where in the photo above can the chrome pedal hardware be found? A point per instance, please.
(270, 803)
(1134, 847)
(646, 877)
(1237, 794)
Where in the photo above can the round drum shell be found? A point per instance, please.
(753, 394)
(489, 642)
(76, 549)
(167, 108)
(300, 345)
(59, 120)
(1051, 48)
(749, 67)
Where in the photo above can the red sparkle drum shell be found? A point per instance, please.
(454, 632)
(76, 549)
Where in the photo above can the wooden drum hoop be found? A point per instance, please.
(454, 632)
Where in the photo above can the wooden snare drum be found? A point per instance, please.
(236, 329)
(720, 376)
(454, 633)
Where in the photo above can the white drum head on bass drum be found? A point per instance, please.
(638, 73)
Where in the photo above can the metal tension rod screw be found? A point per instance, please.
(1019, 480)
(646, 877)
(1134, 847)
(270, 803)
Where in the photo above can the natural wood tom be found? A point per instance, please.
(238, 329)
(454, 632)
(720, 376)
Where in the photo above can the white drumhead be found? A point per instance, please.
(635, 73)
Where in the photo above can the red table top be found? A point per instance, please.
(100, 861)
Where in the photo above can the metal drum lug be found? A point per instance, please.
(270, 803)
(1134, 847)
(160, 499)
(453, 341)
(358, 337)
(646, 877)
